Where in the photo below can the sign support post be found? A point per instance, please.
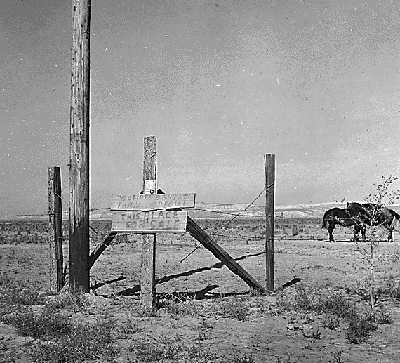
(148, 264)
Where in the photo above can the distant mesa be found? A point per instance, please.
(222, 211)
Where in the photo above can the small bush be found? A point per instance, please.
(188, 307)
(337, 357)
(381, 316)
(76, 300)
(130, 326)
(237, 358)
(390, 288)
(204, 329)
(15, 296)
(158, 349)
(146, 351)
(314, 300)
(82, 343)
(335, 303)
(58, 339)
(303, 299)
(47, 325)
(331, 321)
(173, 347)
(335, 306)
(198, 353)
(360, 328)
(15, 293)
(233, 308)
(295, 298)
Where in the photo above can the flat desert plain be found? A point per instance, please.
(320, 311)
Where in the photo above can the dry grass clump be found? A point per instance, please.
(315, 300)
(78, 301)
(182, 307)
(336, 309)
(232, 307)
(56, 337)
(81, 343)
(390, 287)
(168, 349)
(59, 340)
(14, 293)
(47, 324)
(360, 328)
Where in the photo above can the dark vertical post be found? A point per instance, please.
(269, 214)
(79, 147)
(148, 265)
(55, 229)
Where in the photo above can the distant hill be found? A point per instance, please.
(216, 210)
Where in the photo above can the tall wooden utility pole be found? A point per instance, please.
(79, 147)
(269, 214)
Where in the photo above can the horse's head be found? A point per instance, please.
(395, 224)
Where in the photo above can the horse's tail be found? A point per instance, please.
(395, 223)
(325, 221)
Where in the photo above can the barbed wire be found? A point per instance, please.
(258, 196)
(231, 220)
(224, 225)
(234, 237)
(217, 211)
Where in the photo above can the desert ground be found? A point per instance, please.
(320, 310)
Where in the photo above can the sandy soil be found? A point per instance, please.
(265, 334)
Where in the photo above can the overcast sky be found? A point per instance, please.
(220, 84)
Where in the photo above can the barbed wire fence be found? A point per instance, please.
(215, 230)
(225, 225)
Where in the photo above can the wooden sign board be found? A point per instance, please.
(149, 221)
(147, 202)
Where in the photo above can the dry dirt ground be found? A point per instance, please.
(264, 330)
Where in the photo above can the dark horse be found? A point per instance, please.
(340, 216)
(374, 215)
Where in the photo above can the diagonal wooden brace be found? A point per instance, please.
(197, 232)
(99, 250)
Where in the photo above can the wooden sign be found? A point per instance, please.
(147, 202)
(149, 221)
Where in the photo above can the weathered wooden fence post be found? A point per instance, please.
(55, 229)
(79, 147)
(148, 265)
(269, 215)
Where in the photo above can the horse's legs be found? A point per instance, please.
(390, 234)
(389, 226)
(364, 232)
(331, 227)
(356, 231)
(363, 229)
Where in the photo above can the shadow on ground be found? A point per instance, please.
(198, 295)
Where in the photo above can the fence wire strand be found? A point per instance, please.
(258, 196)
(227, 223)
